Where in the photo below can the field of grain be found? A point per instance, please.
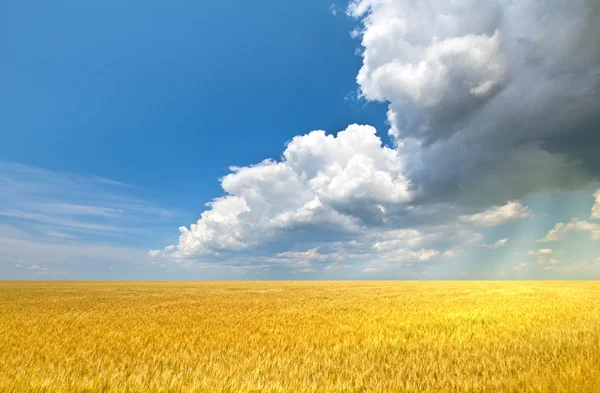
(299, 336)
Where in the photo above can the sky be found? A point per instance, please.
(370, 139)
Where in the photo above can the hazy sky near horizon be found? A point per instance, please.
(309, 140)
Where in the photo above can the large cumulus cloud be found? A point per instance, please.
(488, 102)
(328, 201)
(501, 96)
(323, 183)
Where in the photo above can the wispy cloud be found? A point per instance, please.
(56, 220)
(43, 271)
(69, 202)
(112, 182)
(500, 243)
(56, 234)
(74, 209)
(50, 217)
(41, 251)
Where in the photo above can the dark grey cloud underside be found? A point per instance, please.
(539, 132)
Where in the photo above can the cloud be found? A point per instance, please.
(403, 255)
(541, 251)
(596, 208)
(112, 182)
(394, 259)
(487, 103)
(498, 97)
(71, 224)
(453, 253)
(36, 267)
(74, 209)
(302, 261)
(403, 238)
(543, 256)
(336, 267)
(499, 244)
(68, 203)
(561, 229)
(304, 270)
(323, 182)
(42, 250)
(522, 267)
(435, 62)
(578, 266)
(45, 272)
(57, 234)
(325, 189)
(55, 218)
(380, 247)
(497, 215)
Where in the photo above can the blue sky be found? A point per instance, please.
(121, 121)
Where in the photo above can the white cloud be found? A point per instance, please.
(497, 215)
(451, 72)
(404, 255)
(500, 243)
(561, 229)
(333, 9)
(245, 269)
(522, 267)
(543, 256)
(302, 261)
(541, 251)
(453, 253)
(400, 258)
(309, 255)
(402, 238)
(498, 97)
(36, 267)
(562, 269)
(305, 270)
(429, 56)
(424, 255)
(321, 180)
(380, 248)
(578, 266)
(245, 226)
(548, 261)
(336, 267)
(596, 207)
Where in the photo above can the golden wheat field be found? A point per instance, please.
(299, 336)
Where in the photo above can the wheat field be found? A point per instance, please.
(300, 336)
